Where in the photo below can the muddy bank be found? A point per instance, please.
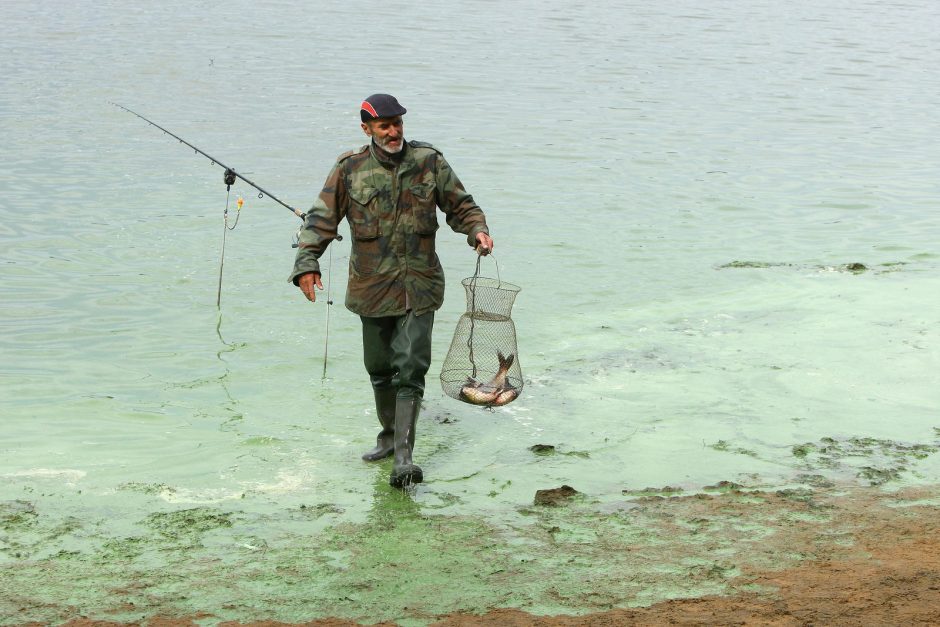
(873, 560)
(728, 555)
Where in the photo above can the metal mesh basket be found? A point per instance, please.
(482, 366)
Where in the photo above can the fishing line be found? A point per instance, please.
(218, 294)
(329, 305)
(229, 180)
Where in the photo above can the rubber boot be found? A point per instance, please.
(404, 472)
(385, 410)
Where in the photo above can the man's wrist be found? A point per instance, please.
(296, 274)
(472, 236)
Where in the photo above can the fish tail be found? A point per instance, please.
(505, 362)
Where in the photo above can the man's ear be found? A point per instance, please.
(366, 129)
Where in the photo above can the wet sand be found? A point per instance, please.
(830, 555)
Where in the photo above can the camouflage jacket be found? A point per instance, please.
(391, 210)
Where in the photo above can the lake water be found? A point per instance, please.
(681, 190)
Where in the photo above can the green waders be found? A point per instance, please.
(385, 409)
(397, 355)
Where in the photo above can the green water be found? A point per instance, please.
(680, 191)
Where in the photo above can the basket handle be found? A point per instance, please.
(480, 256)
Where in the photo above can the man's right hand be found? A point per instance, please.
(306, 282)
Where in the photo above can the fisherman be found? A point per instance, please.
(389, 191)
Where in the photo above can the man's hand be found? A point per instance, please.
(306, 283)
(484, 244)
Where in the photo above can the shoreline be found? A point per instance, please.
(831, 555)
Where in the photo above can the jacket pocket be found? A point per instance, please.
(423, 201)
(423, 192)
(426, 222)
(425, 229)
(366, 253)
(362, 201)
(365, 231)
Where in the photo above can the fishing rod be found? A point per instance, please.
(229, 178)
(230, 173)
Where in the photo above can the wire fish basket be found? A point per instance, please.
(482, 365)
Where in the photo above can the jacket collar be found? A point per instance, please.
(404, 163)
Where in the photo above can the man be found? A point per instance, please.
(389, 191)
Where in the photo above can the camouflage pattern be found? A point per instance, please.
(391, 210)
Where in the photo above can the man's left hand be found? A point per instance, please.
(484, 244)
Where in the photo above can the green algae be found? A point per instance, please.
(260, 441)
(875, 460)
(406, 564)
(188, 524)
(664, 491)
(499, 489)
(147, 488)
(401, 564)
(802, 450)
(817, 481)
(887, 460)
(590, 560)
(879, 476)
(724, 486)
(797, 494)
(854, 267)
(543, 449)
(546, 450)
(18, 519)
(25, 533)
(321, 509)
(17, 515)
(122, 550)
(722, 445)
(753, 264)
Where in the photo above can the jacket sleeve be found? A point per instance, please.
(463, 215)
(321, 224)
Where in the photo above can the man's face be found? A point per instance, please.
(388, 133)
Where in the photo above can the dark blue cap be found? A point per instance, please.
(380, 106)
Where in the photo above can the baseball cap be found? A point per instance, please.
(380, 106)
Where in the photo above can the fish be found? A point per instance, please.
(474, 393)
(497, 391)
(506, 396)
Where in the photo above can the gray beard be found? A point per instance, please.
(383, 144)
